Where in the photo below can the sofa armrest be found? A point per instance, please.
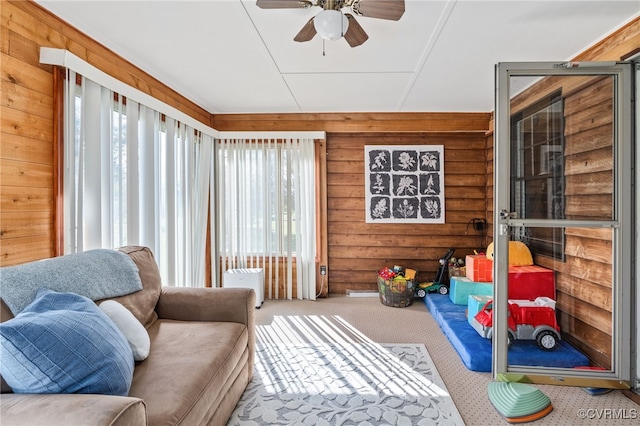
(71, 409)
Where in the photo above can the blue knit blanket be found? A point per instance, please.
(96, 274)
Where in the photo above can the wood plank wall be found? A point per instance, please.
(490, 179)
(584, 279)
(27, 206)
(355, 249)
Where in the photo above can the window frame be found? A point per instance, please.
(549, 177)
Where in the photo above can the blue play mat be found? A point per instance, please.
(475, 351)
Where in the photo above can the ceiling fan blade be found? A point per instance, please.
(355, 35)
(307, 32)
(283, 4)
(382, 9)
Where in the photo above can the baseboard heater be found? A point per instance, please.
(362, 293)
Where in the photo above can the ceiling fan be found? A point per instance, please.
(332, 23)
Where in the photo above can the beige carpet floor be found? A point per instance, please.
(342, 318)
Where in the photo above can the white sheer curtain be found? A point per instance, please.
(135, 177)
(266, 211)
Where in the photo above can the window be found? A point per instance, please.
(133, 176)
(266, 210)
(269, 186)
(537, 170)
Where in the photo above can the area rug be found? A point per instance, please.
(345, 384)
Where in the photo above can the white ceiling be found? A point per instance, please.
(229, 56)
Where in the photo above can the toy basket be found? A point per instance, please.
(396, 292)
(457, 271)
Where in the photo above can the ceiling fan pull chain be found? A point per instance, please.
(323, 51)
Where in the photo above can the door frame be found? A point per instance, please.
(622, 225)
(635, 345)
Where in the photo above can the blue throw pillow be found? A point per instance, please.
(63, 343)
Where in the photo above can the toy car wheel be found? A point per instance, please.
(510, 339)
(421, 292)
(547, 340)
(443, 289)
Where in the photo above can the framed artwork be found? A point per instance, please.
(404, 184)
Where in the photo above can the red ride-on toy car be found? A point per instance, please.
(526, 320)
(441, 283)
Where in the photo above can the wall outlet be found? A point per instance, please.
(323, 270)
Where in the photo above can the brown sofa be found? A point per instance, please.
(201, 360)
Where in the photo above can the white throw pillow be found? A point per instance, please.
(129, 325)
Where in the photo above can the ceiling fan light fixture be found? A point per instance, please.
(331, 24)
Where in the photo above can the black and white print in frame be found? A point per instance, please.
(404, 184)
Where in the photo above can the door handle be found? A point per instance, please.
(504, 214)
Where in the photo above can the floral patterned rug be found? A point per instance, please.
(345, 384)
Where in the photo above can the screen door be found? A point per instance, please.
(562, 187)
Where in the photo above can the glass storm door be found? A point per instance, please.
(562, 187)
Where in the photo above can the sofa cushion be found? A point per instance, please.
(63, 343)
(72, 410)
(5, 315)
(96, 274)
(142, 304)
(129, 325)
(192, 365)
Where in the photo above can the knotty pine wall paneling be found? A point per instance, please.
(357, 250)
(583, 282)
(489, 137)
(27, 199)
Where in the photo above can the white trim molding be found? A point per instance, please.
(272, 135)
(64, 58)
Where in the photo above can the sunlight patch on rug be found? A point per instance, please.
(340, 384)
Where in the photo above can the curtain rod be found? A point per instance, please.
(272, 135)
(64, 58)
